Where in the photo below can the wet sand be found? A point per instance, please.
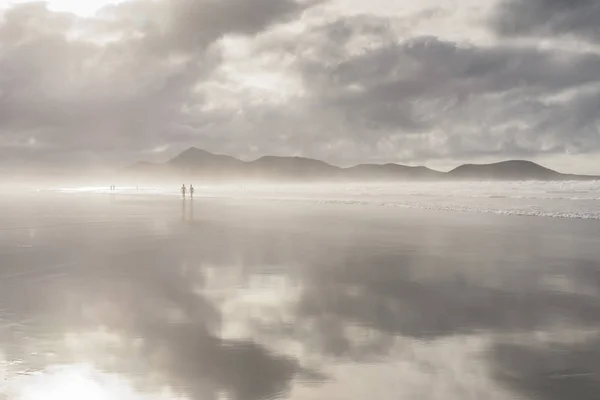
(146, 297)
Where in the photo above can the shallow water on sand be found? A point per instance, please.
(139, 297)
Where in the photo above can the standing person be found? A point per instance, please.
(191, 191)
(183, 190)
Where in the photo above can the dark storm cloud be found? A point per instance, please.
(190, 25)
(429, 68)
(580, 18)
(388, 95)
(132, 81)
(67, 86)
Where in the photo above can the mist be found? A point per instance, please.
(299, 200)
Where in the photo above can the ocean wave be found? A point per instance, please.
(554, 200)
(458, 208)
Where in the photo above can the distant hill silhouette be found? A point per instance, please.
(202, 164)
(506, 170)
(391, 171)
(195, 161)
(291, 168)
(194, 158)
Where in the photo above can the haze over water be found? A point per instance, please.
(139, 295)
(441, 289)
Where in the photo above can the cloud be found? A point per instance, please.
(579, 18)
(119, 82)
(188, 25)
(147, 79)
(366, 95)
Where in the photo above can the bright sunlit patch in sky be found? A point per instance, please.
(84, 8)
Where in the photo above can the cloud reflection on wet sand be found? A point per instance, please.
(257, 303)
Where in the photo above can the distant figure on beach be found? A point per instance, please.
(191, 191)
(183, 190)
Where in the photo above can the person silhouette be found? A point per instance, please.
(191, 191)
(183, 190)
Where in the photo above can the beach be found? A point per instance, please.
(140, 295)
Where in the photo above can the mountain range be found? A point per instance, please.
(207, 166)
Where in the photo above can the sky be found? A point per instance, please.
(108, 83)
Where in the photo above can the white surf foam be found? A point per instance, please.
(570, 199)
